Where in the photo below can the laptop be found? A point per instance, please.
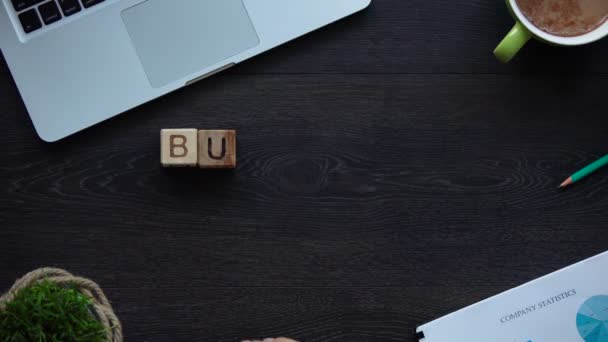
(79, 62)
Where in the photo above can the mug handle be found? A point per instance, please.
(512, 43)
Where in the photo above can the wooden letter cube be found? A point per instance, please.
(178, 147)
(217, 149)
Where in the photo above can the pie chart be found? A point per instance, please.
(592, 319)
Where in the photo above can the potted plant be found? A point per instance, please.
(53, 305)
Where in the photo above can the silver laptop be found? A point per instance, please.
(79, 62)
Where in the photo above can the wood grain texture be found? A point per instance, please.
(390, 172)
(217, 149)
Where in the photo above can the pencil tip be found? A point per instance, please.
(566, 182)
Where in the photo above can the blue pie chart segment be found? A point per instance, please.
(592, 319)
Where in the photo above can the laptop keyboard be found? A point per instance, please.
(34, 14)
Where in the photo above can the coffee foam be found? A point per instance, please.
(566, 18)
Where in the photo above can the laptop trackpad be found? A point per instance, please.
(177, 38)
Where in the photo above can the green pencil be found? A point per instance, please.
(596, 165)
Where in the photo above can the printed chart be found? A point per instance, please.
(592, 319)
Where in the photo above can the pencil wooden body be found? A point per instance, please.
(586, 171)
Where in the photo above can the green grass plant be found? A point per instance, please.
(47, 312)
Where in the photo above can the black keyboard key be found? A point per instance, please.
(49, 12)
(69, 7)
(30, 20)
(21, 4)
(89, 3)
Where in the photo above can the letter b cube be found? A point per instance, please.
(179, 147)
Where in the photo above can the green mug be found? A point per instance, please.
(524, 30)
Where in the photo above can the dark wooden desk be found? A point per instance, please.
(391, 171)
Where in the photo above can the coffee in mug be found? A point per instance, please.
(565, 18)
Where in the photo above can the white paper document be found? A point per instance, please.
(570, 305)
